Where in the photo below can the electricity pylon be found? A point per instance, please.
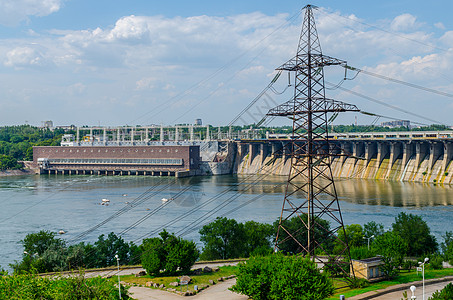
(310, 192)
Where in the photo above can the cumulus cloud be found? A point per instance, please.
(23, 57)
(13, 12)
(404, 22)
(143, 59)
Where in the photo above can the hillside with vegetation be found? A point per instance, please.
(16, 143)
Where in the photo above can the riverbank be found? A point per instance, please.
(16, 172)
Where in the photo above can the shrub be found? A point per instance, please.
(408, 264)
(168, 254)
(435, 262)
(445, 294)
(358, 283)
(361, 252)
(282, 277)
(24, 287)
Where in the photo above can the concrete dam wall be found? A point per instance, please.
(403, 160)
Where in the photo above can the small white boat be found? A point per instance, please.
(61, 232)
(105, 200)
(164, 199)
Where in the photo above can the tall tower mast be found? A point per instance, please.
(310, 173)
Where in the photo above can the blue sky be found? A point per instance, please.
(164, 62)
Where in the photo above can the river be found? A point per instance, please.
(74, 204)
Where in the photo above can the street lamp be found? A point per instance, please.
(368, 238)
(119, 285)
(413, 292)
(422, 264)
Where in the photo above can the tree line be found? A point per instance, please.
(16, 143)
(225, 238)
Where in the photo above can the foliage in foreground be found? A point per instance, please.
(282, 277)
(26, 287)
(44, 252)
(445, 294)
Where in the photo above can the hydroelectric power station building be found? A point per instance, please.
(152, 150)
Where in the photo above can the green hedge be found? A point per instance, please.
(27, 287)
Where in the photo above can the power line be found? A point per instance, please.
(386, 104)
(412, 85)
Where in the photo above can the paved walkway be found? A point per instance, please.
(429, 290)
(396, 292)
(218, 291)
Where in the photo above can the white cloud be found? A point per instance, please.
(145, 60)
(145, 83)
(12, 12)
(404, 22)
(440, 26)
(24, 57)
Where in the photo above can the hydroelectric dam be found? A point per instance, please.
(413, 156)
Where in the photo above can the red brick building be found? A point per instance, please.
(118, 160)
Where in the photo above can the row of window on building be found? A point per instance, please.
(151, 161)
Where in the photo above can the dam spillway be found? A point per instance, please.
(411, 156)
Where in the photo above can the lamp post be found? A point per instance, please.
(119, 285)
(368, 238)
(413, 292)
(422, 264)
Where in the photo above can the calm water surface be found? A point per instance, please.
(73, 204)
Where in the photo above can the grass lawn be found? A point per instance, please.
(404, 277)
(200, 280)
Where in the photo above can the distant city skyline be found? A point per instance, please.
(152, 62)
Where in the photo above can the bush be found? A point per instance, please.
(436, 262)
(358, 283)
(168, 254)
(445, 294)
(282, 277)
(24, 287)
(361, 252)
(408, 264)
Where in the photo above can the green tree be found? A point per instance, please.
(38, 243)
(295, 225)
(224, 238)
(107, 248)
(258, 238)
(447, 247)
(8, 163)
(153, 256)
(416, 233)
(392, 248)
(283, 278)
(168, 254)
(354, 234)
(372, 228)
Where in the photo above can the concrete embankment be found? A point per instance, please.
(15, 172)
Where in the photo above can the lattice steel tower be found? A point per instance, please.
(310, 176)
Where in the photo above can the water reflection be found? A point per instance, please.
(364, 191)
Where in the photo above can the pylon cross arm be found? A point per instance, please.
(299, 106)
(300, 62)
